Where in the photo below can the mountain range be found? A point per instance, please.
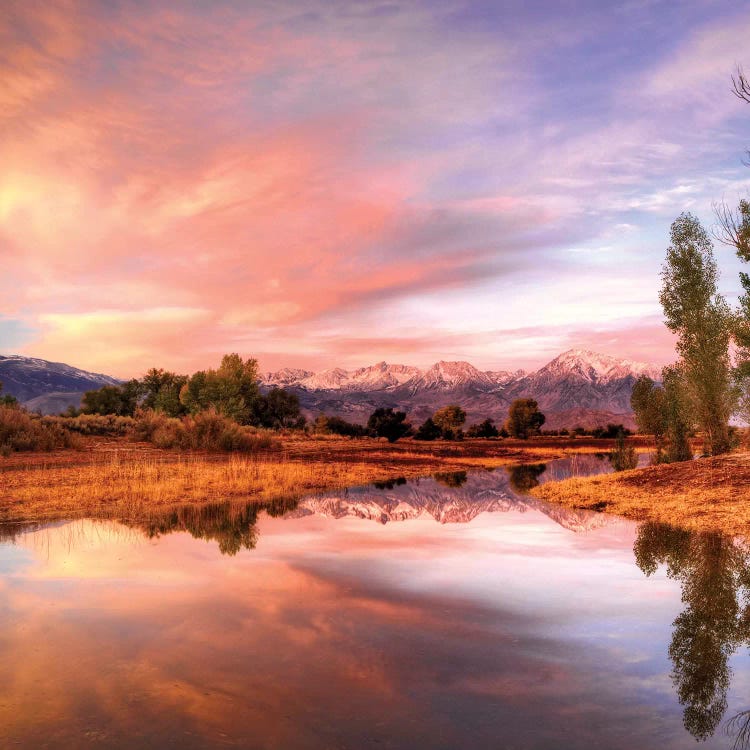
(578, 387)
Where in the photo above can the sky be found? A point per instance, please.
(321, 183)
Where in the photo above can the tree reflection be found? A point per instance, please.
(524, 477)
(450, 478)
(232, 525)
(714, 572)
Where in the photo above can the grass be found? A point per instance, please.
(708, 494)
(117, 478)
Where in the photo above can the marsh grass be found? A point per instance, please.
(119, 479)
(132, 489)
(708, 494)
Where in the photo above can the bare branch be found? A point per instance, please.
(741, 85)
(733, 228)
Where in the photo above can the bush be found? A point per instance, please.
(207, 431)
(21, 431)
(610, 431)
(93, 424)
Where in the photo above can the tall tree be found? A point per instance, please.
(702, 320)
(648, 403)
(733, 229)
(678, 414)
(389, 424)
(524, 418)
(232, 389)
(449, 419)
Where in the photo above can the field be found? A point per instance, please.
(708, 494)
(117, 478)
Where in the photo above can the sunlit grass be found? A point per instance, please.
(708, 494)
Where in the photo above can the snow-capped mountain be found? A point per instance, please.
(287, 376)
(576, 388)
(578, 385)
(34, 381)
(580, 379)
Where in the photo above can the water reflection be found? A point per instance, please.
(448, 497)
(451, 478)
(455, 611)
(232, 525)
(714, 574)
(525, 477)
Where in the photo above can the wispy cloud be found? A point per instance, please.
(293, 179)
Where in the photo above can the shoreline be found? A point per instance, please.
(114, 477)
(706, 494)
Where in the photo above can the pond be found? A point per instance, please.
(450, 612)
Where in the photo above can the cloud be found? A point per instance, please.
(302, 172)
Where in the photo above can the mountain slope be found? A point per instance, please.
(46, 386)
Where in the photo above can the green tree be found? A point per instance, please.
(428, 430)
(161, 392)
(232, 390)
(7, 399)
(121, 400)
(449, 419)
(698, 314)
(524, 418)
(678, 414)
(485, 429)
(278, 409)
(649, 404)
(387, 423)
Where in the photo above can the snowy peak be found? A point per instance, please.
(286, 376)
(379, 377)
(595, 368)
(450, 375)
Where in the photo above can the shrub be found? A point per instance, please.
(623, 455)
(93, 424)
(207, 431)
(21, 431)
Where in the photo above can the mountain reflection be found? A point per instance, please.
(714, 572)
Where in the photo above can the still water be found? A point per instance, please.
(452, 612)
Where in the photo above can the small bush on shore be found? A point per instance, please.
(207, 431)
(21, 431)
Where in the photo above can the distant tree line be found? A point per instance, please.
(231, 391)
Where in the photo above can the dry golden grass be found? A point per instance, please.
(117, 478)
(709, 494)
(128, 488)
